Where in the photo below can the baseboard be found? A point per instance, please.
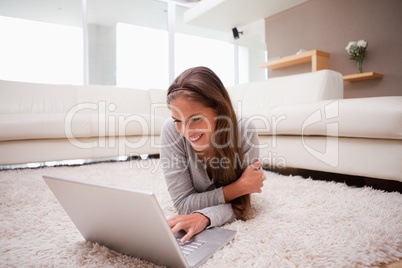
(78, 162)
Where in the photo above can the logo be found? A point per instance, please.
(331, 154)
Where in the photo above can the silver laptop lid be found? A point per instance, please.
(106, 215)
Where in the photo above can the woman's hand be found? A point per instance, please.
(252, 178)
(192, 224)
(251, 181)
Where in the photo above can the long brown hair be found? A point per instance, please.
(200, 84)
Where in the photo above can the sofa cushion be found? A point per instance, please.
(80, 125)
(45, 111)
(258, 98)
(158, 103)
(25, 98)
(378, 117)
(115, 99)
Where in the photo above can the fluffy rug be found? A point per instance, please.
(297, 222)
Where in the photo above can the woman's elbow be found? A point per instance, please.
(182, 208)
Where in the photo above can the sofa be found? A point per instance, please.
(42, 122)
(302, 122)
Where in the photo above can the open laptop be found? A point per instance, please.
(132, 222)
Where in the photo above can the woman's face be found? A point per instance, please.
(195, 122)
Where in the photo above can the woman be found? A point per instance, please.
(209, 157)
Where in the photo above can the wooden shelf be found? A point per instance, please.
(319, 61)
(362, 76)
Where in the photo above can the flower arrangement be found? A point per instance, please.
(357, 51)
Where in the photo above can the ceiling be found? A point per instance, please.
(223, 15)
(207, 18)
(150, 13)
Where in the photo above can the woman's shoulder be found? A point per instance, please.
(169, 128)
(171, 139)
(245, 123)
(168, 124)
(249, 137)
(247, 129)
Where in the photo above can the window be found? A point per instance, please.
(191, 51)
(142, 57)
(127, 41)
(32, 51)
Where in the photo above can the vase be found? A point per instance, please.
(359, 66)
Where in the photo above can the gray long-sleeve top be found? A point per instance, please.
(186, 175)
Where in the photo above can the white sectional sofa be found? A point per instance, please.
(302, 120)
(41, 122)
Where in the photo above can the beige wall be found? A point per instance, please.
(329, 25)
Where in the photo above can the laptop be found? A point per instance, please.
(132, 222)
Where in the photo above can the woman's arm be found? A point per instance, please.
(176, 165)
(252, 178)
(251, 181)
(204, 208)
(208, 208)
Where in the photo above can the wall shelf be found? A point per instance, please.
(362, 76)
(319, 61)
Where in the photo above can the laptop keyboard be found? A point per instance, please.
(189, 246)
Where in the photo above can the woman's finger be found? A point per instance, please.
(176, 228)
(172, 221)
(257, 165)
(188, 235)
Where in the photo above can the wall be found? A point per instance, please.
(252, 42)
(329, 25)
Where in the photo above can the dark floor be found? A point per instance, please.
(358, 181)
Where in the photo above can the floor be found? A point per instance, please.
(356, 181)
(397, 264)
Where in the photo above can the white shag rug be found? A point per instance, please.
(297, 222)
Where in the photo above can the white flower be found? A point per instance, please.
(362, 43)
(357, 50)
(351, 44)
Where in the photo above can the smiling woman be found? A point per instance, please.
(210, 156)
